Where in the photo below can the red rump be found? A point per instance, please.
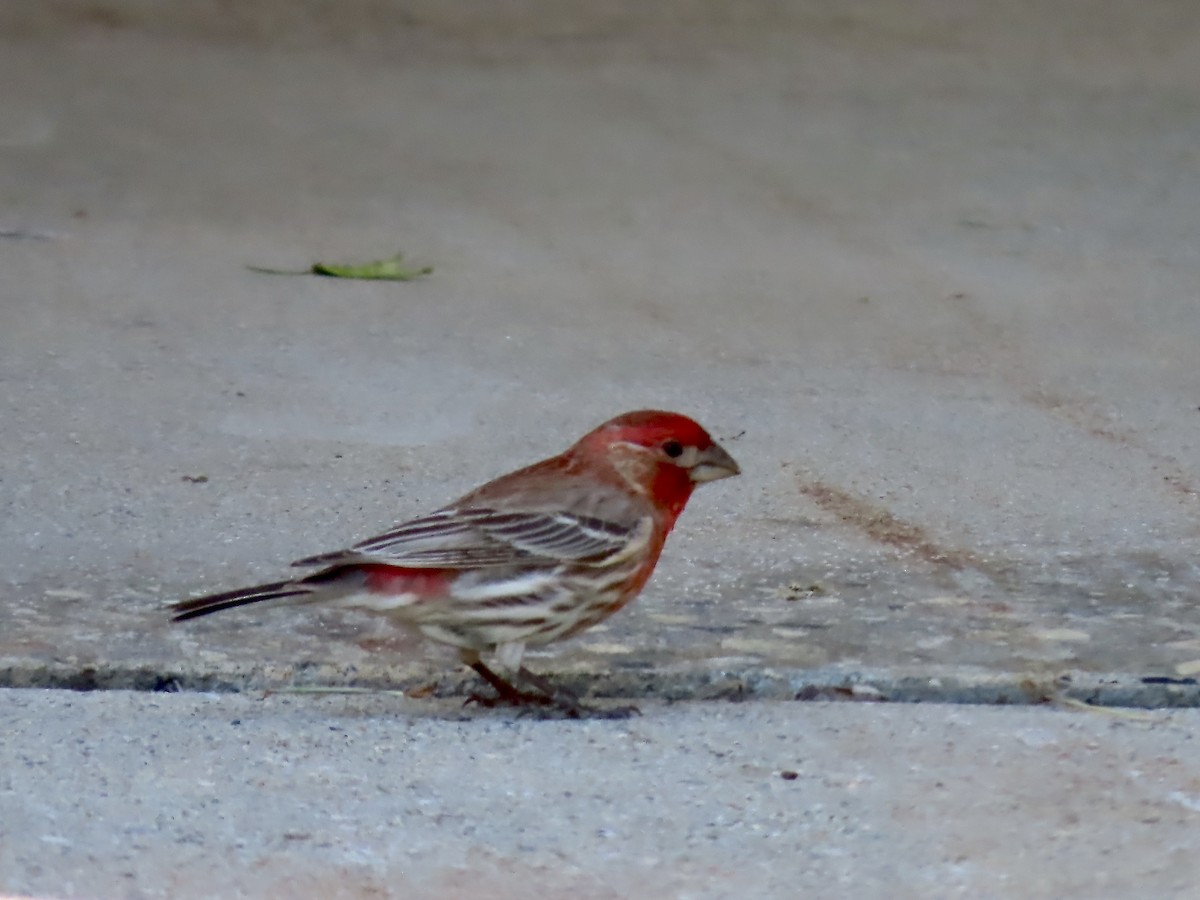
(382, 579)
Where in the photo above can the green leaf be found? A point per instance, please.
(392, 269)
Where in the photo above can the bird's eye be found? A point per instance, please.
(673, 449)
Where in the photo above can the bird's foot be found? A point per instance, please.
(519, 699)
(506, 693)
(570, 705)
(548, 702)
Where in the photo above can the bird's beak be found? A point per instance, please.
(712, 464)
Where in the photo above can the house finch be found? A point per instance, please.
(535, 556)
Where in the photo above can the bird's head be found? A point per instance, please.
(663, 455)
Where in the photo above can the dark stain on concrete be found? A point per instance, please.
(885, 527)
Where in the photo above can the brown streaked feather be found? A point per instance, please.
(479, 538)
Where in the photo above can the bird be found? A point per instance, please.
(535, 556)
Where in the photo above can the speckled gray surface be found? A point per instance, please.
(932, 274)
(231, 796)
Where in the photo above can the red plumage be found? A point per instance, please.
(532, 557)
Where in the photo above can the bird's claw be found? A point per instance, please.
(518, 699)
(541, 706)
(547, 701)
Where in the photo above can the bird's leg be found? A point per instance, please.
(570, 704)
(562, 698)
(506, 694)
(548, 695)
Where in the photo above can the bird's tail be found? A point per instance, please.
(202, 606)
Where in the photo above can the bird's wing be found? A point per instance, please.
(480, 537)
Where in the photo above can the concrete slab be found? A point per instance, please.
(120, 794)
(931, 270)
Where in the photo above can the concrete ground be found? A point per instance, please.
(929, 270)
(228, 795)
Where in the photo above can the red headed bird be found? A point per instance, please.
(535, 556)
